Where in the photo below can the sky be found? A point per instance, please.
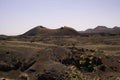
(18, 16)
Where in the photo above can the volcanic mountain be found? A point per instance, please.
(102, 29)
(40, 30)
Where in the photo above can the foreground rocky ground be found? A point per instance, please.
(60, 58)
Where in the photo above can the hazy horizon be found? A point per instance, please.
(18, 16)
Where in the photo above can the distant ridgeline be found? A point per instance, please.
(103, 29)
(68, 31)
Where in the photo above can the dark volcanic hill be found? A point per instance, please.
(102, 29)
(40, 30)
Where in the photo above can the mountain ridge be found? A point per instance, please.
(102, 29)
(40, 30)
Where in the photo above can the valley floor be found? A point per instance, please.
(91, 57)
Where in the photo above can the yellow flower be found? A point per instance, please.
(82, 61)
(82, 56)
(91, 58)
(92, 54)
(90, 62)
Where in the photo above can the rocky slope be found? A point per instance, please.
(40, 30)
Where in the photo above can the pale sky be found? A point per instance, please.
(18, 16)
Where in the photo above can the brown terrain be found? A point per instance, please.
(60, 54)
(40, 30)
